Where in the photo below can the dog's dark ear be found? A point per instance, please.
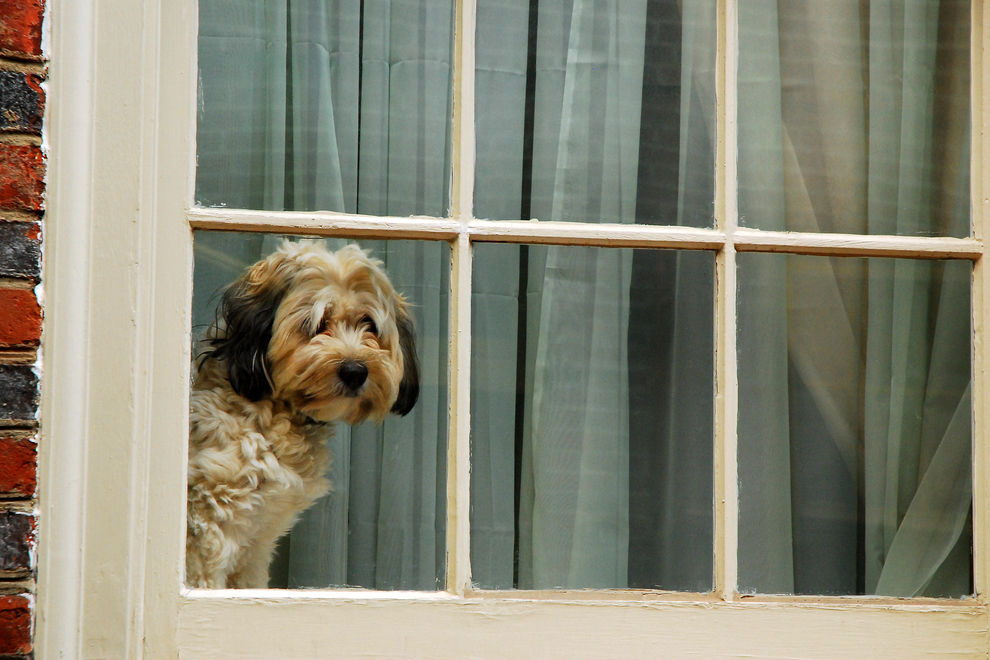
(409, 385)
(243, 330)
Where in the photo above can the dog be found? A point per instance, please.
(303, 339)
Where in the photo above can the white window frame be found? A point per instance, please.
(118, 253)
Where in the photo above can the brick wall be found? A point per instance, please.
(22, 187)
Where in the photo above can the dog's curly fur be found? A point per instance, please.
(304, 338)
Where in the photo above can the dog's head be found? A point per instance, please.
(324, 332)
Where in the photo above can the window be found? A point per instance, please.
(750, 182)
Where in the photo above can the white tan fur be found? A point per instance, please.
(304, 338)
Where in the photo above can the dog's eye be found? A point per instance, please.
(322, 327)
(370, 324)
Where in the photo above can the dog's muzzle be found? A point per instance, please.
(352, 374)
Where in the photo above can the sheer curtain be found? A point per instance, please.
(290, 117)
(854, 118)
(592, 368)
(587, 513)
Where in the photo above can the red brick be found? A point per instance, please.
(15, 625)
(18, 466)
(20, 28)
(22, 176)
(20, 318)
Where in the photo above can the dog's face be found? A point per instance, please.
(324, 332)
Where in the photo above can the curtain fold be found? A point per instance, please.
(576, 531)
(576, 450)
(848, 104)
(590, 467)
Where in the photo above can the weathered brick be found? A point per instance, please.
(20, 318)
(20, 28)
(18, 466)
(20, 250)
(15, 625)
(22, 102)
(16, 540)
(22, 177)
(18, 393)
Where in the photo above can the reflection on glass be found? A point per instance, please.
(310, 105)
(854, 426)
(854, 116)
(382, 526)
(596, 111)
(591, 418)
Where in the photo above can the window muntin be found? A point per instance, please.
(855, 426)
(854, 117)
(592, 421)
(596, 111)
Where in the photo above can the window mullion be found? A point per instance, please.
(726, 403)
(458, 577)
(462, 127)
(980, 66)
(459, 449)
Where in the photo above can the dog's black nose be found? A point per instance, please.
(352, 374)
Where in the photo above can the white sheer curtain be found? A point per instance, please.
(291, 118)
(592, 368)
(578, 427)
(572, 361)
(853, 118)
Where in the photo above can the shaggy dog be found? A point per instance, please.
(304, 338)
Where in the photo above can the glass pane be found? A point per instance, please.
(854, 116)
(854, 426)
(340, 105)
(591, 418)
(382, 524)
(596, 111)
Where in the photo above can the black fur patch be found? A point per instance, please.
(247, 312)
(409, 386)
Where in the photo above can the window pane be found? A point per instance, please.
(854, 426)
(596, 110)
(311, 105)
(854, 116)
(591, 418)
(382, 525)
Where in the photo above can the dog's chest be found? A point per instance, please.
(258, 456)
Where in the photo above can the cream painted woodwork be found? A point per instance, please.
(121, 135)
